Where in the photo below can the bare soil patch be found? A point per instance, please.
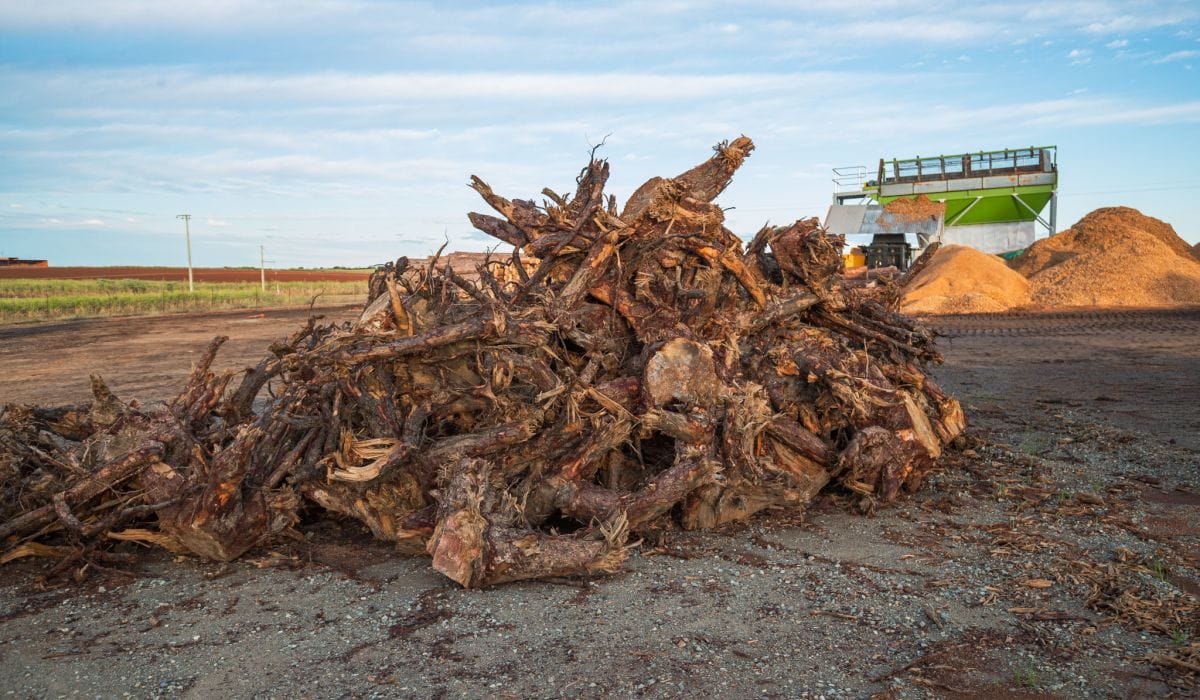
(144, 357)
(1054, 556)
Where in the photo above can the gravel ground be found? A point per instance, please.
(1053, 556)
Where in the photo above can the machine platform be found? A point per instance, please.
(994, 199)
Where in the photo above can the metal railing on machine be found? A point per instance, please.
(981, 164)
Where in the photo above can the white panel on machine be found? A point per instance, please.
(992, 238)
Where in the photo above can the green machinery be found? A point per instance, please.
(994, 201)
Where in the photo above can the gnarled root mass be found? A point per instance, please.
(625, 368)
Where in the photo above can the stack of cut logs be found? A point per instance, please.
(637, 369)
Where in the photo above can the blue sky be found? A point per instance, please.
(343, 132)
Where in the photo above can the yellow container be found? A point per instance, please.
(854, 258)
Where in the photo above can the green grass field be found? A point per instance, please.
(25, 300)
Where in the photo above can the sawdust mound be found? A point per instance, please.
(1097, 233)
(1114, 256)
(1138, 270)
(962, 280)
(918, 208)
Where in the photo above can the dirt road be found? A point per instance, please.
(1053, 557)
(142, 357)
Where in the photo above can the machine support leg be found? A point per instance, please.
(1031, 211)
(1054, 212)
(963, 213)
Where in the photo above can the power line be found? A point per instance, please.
(1193, 186)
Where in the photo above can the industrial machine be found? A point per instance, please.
(993, 202)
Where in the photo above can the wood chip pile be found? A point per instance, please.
(637, 369)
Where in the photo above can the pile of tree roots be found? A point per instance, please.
(625, 369)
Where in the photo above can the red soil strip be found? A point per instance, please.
(179, 274)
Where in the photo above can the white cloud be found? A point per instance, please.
(1080, 57)
(92, 222)
(1178, 56)
(605, 87)
(1117, 43)
(218, 223)
(871, 121)
(179, 88)
(1147, 19)
(627, 24)
(174, 13)
(1099, 112)
(920, 29)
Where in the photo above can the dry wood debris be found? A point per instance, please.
(627, 368)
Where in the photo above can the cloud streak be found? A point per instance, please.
(1178, 56)
(177, 86)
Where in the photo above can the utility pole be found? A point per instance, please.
(262, 268)
(187, 236)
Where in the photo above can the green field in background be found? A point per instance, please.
(25, 300)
